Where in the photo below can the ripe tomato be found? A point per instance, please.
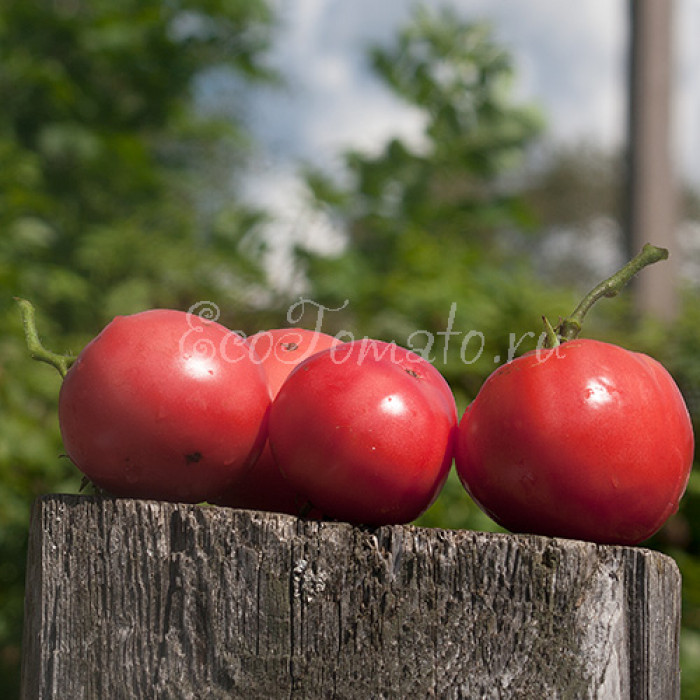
(366, 430)
(587, 440)
(165, 405)
(280, 350)
(264, 487)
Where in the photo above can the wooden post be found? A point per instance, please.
(141, 599)
(651, 184)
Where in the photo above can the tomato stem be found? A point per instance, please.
(551, 339)
(570, 327)
(36, 349)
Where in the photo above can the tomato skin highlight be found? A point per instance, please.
(164, 405)
(264, 487)
(368, 436)
(585, 441)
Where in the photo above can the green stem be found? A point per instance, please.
(61, 362)
(551, 337)
(570, 327)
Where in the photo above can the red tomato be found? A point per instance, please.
(165, 405)
(366, 430)
(587, 441)
(280, 350)
(264, 487)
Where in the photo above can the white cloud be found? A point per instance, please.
(570, 58)
(331, 101)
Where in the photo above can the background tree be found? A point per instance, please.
(116, 195)
(442, 224)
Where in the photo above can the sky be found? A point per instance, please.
(570, 59)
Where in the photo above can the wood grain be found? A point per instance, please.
(142, 599)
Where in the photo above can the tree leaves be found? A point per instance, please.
(115, 196)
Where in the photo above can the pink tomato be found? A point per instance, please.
(264, 487)
(586, 440)
(166, 405)
(365, 429)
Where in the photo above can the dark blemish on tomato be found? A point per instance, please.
(290, 346)
(412, 372)
(193, 458)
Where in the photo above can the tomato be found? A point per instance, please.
(264, 487)
(365, 429)
(163, 404)
(586, 440)
(280, 350)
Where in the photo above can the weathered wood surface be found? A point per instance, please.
(140, 599)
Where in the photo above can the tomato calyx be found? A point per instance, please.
(37, 350)
(569, 328)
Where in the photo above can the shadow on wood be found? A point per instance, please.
(142, 599)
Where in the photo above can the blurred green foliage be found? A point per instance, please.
(117, 193)
(115, 196)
